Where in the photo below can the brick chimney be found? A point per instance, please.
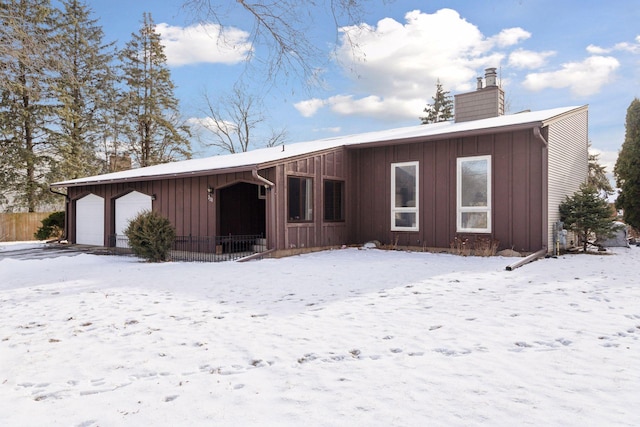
(484, 102)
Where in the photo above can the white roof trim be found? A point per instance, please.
(252, 159)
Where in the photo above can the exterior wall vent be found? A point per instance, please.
(483, 103)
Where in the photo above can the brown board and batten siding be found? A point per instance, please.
(536, 160)
(184, 201)
(517, 204)
(568, 160)
(288, 235)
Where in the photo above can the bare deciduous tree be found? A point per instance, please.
(283, 27)
(234, 122)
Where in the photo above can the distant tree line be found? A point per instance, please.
(69, 100)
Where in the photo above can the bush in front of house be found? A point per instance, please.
(52, 226)
(151, 236)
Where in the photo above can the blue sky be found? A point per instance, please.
(549, 53)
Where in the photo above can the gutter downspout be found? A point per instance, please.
(526, 260)
(272, 204)
(265, 181)
(545, 206)
(66, 211)
(545, 187)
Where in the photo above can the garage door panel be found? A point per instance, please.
(90, 220)
(127, 208)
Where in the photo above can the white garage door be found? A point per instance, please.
(127, 208)
(90, 220)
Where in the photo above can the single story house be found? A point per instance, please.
(484, 174)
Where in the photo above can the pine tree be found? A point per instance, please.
(113, 121)
(587, 214)
(82, 88)
(442, 108)
(26, 101)
(598, 176)
(157, 135)
(627, 168)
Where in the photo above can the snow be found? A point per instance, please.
(15, 246)
(250, 159)
(344, 337)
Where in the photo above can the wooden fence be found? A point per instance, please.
(17, 227)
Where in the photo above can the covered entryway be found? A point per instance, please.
(128, 207)
(242, 210)
(90, 220)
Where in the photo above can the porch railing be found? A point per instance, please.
(202, 248)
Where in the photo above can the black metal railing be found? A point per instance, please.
(202, 248)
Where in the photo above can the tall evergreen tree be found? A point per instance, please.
(627, 168)
(113, 121)
(598, 175)
(442, 108)
(26, 101)
(157, 135)
(81, 89)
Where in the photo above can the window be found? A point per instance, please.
(333, 200)
(300, 199)
(474, 194)
(404, 196)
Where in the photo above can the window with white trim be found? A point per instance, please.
(404, 196)
(474, 194)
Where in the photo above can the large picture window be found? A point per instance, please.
(300, 192)
(404, 196)
(333, 200)
(474, 194)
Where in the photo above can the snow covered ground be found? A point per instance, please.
(345, 337)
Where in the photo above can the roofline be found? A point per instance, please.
(260, 166)
(159, 177)
(561, 116)
(272, 163)
(451, 135)
(268, 164)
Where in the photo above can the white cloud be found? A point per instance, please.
(397, 64)
(583, 78)
(629, 47)
(510, 37)
(390, 107)
(309, 107)
(200, 124)
(335, 129)
(606, 158)
(204, 43)
(633, 47)
(528, 59)
(597, 50)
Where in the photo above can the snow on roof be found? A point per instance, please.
(253, 159)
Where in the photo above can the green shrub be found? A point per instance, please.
(52, 226)
(151, 236)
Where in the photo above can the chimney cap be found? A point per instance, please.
(491, 76)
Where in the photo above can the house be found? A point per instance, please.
(484, 174)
